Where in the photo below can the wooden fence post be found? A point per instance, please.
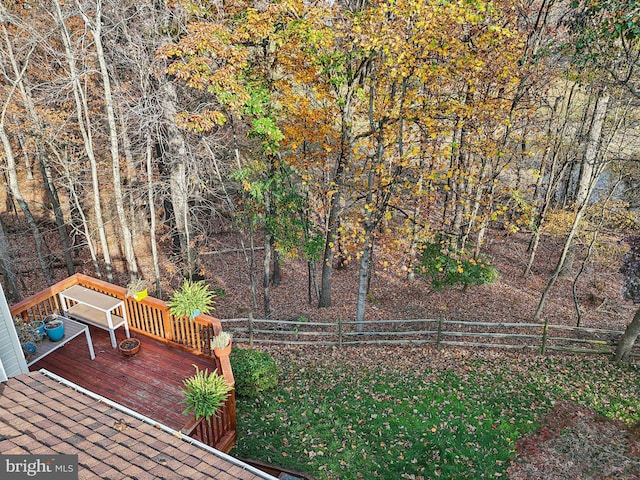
(339, 331)
(251, 329)
(545, 329)
(439, 335)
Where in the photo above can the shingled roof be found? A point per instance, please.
(39, 415)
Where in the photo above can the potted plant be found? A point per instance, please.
(221, 344)
(27, 335)
(54, 329)
(38, 327)
(193, 298)
(129, 346)
(205, 393)
(137, 288)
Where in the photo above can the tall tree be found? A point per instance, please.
(11, 90)
(631, 291)
(95, 27)
(39, 127)
(84, 123)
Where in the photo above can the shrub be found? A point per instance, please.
(447, 268)
(254, 371)
(205, 393)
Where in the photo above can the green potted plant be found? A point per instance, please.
(137, 288)
(205, 393)
(193, 298)
(221, 343)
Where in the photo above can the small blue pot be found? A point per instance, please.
(29, 348)
(55, 330)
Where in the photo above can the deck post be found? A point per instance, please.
(166, 324)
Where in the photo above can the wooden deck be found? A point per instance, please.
(149, 382)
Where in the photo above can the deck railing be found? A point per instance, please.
(212, 432)
(150, 317)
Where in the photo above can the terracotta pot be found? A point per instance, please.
(223, 352)
(129, 346)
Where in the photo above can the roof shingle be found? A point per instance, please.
(38, 415)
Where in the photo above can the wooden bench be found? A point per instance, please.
(96, 309)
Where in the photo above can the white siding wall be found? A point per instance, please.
(11, 356)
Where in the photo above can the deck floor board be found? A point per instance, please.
(149, 382)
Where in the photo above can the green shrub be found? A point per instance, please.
(254, 371)
(447, 268)
(205, 393)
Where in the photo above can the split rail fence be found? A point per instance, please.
(540, 337)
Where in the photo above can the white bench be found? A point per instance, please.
(96, 309)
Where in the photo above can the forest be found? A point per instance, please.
(390, 137)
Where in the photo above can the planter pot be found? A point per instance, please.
(137, 296)
(129, 346)
(54, 330)
(223, 352)
(29, 348)
(38, 327)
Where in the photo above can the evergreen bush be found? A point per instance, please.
(254, 371)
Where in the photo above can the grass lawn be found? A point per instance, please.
(418, 412)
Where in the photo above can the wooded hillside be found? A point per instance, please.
(146, 139)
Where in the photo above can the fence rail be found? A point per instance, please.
(541, 337)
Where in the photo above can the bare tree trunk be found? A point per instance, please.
(588, 167)
(555, 177)
(625, 344)
(14, 188)
(45, 171)
(73, 199)
(266, 264)
(485, 223)
(6, 269)
(152, 216)
(567, 245)
(176, 154)
(52, 194)
(276, 276)
(84, 125)
(362, 282)
(12, 176)
(95, 27)
(25, 153)
(334, 214)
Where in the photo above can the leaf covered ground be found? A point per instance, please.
(422, 413)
